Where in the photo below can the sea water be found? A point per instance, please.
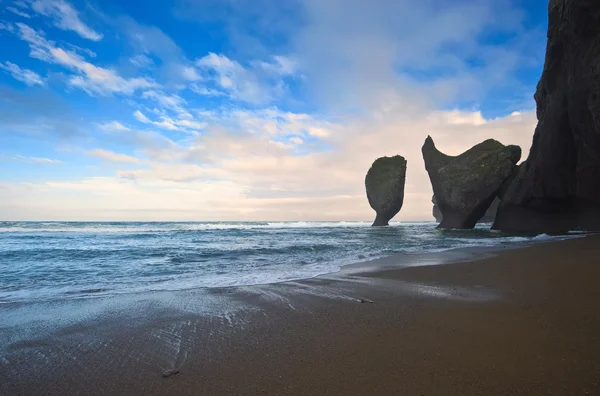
(50, 260)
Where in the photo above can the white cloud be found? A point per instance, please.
(141, 117)
(18, 12)
(190, 74)
(191, 124)
(171, 102)
(166, 123)
(141, 61)
(318, 132)
(200, 90)
(182, 120)
(167, 172)
(113, 126)
(34, 160)
(275, 122)
(136, 200)
(39, 160)
(281, 65)
(260, 83)
(26, 76)
(86, 51)
(65, 17)
(227, 174)
(457, 117)
(356, 54)
(230, 76)
(20, 4)
(92, 79)
(112, 156)
(172, 124)
(7, 26)
(332, 175)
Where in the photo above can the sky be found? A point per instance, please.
(251, 110)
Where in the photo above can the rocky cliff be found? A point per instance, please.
(385, 187)
(488, 217)
(559, 187)
(466, 185)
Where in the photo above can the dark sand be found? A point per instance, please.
(522, 322)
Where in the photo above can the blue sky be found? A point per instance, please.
(250, 110)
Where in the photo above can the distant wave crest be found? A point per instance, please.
(125, 227)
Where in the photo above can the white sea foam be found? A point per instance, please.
(66, 260)
(164, 227)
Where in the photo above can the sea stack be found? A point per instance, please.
(559, 187)
(385, 187)
(488, 217)
(466, 185)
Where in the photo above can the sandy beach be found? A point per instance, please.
(514, 322)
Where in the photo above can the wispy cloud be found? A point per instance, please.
(31, 160)
(260, 82)
(141, 61)
(141, 117)
(39, 160)
(200, 90)
(112, 156)
(26, 76)
(170, 102)
(7, 26)
(91, 78)
(251, 179)
(65, 17)
(113, 126)
(280, 65)
(181, 123)
(18, 12)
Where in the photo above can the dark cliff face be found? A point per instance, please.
(558, 189)
(385, 187)
(465, 186)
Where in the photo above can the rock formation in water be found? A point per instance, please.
(385, 187)
(437, 213)
(466, 185)
(559, 187)
(488, 217)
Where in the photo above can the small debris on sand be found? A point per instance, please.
(170, 373)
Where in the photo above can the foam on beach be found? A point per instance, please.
(56, 260)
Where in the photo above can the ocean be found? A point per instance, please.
(56, 260)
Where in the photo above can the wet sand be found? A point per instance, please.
(515, 322)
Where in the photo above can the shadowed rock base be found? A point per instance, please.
(550, 216)
(380, 221)
(488, 217)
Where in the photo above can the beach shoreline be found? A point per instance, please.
(474, 321)
(393, 260)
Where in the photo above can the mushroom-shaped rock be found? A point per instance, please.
(465, 186)
(488, 217)
(385, 187)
